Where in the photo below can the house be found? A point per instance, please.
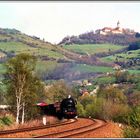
(116, 30)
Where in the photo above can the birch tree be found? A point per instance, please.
(22, 85)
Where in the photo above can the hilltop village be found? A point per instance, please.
(116, 30)
(105, 35)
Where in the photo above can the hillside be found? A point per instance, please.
(52, 59)
(94, 38)
(117, 36)
(70, 62)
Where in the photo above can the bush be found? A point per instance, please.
(6, 120)
(129, 132)
(133, 120)
(1, 124)
(80, 110)
(109, 104)
(134, 46)
(95, 109)
(121, 112)
(102, 108)
(85, 100)
(113, 94)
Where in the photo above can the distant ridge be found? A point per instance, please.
(116, 35)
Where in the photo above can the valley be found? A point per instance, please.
(99, 75)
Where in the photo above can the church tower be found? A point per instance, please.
(118, 24)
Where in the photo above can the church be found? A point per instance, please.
(116, 30)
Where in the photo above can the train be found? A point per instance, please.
(65, 109)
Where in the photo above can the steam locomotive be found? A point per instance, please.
(65, 109)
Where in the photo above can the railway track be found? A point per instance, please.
(76, 131)
(14, 131)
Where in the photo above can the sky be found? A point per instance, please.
(55, 20)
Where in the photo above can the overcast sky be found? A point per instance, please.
(55, 20)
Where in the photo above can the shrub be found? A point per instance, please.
(129, 132)
(133, 120)
(85, 100)
(1, 123)
(95, 109)
(113, 94)
(80, 110)
(106, 109)
(134, 46)
(6, 120)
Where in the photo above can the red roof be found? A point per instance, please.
(42, 104)
(107, 28)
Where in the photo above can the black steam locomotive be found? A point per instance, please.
(65, 109)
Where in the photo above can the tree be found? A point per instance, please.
(57, 91)
(134, 46)
(80, 110)
(22, 85)
(121, 76)
(2, 93)
(114, 94)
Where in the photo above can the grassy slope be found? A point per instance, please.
(16, 47)
(125, 56)
(2, 69)
(104, 80)
(92, 48)
(87, 68)
(97, 48)
(21, 43)
(46, 66)
(46, 49)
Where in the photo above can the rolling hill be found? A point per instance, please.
(69, 62)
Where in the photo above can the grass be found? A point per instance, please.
(14, 47)
(123, 56)
(19, 47)
(2, 68)
(92, 48)
(2, 36)
(104, 80)
(88, 68)
(134, 71)
(46, 66)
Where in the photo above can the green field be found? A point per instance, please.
(87, 68)
(104, 80)
(92, 48)
(42, 66)
(46, 66)
(19, 47)
(2, 68)
(22, 43)
(14, 47)
(122, 56)
(134, 71)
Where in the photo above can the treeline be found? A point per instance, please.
(93, 38)
(134, 46)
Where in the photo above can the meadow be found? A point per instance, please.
(92, 48)
(19, 47)
(122, 56)
(83, 68)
